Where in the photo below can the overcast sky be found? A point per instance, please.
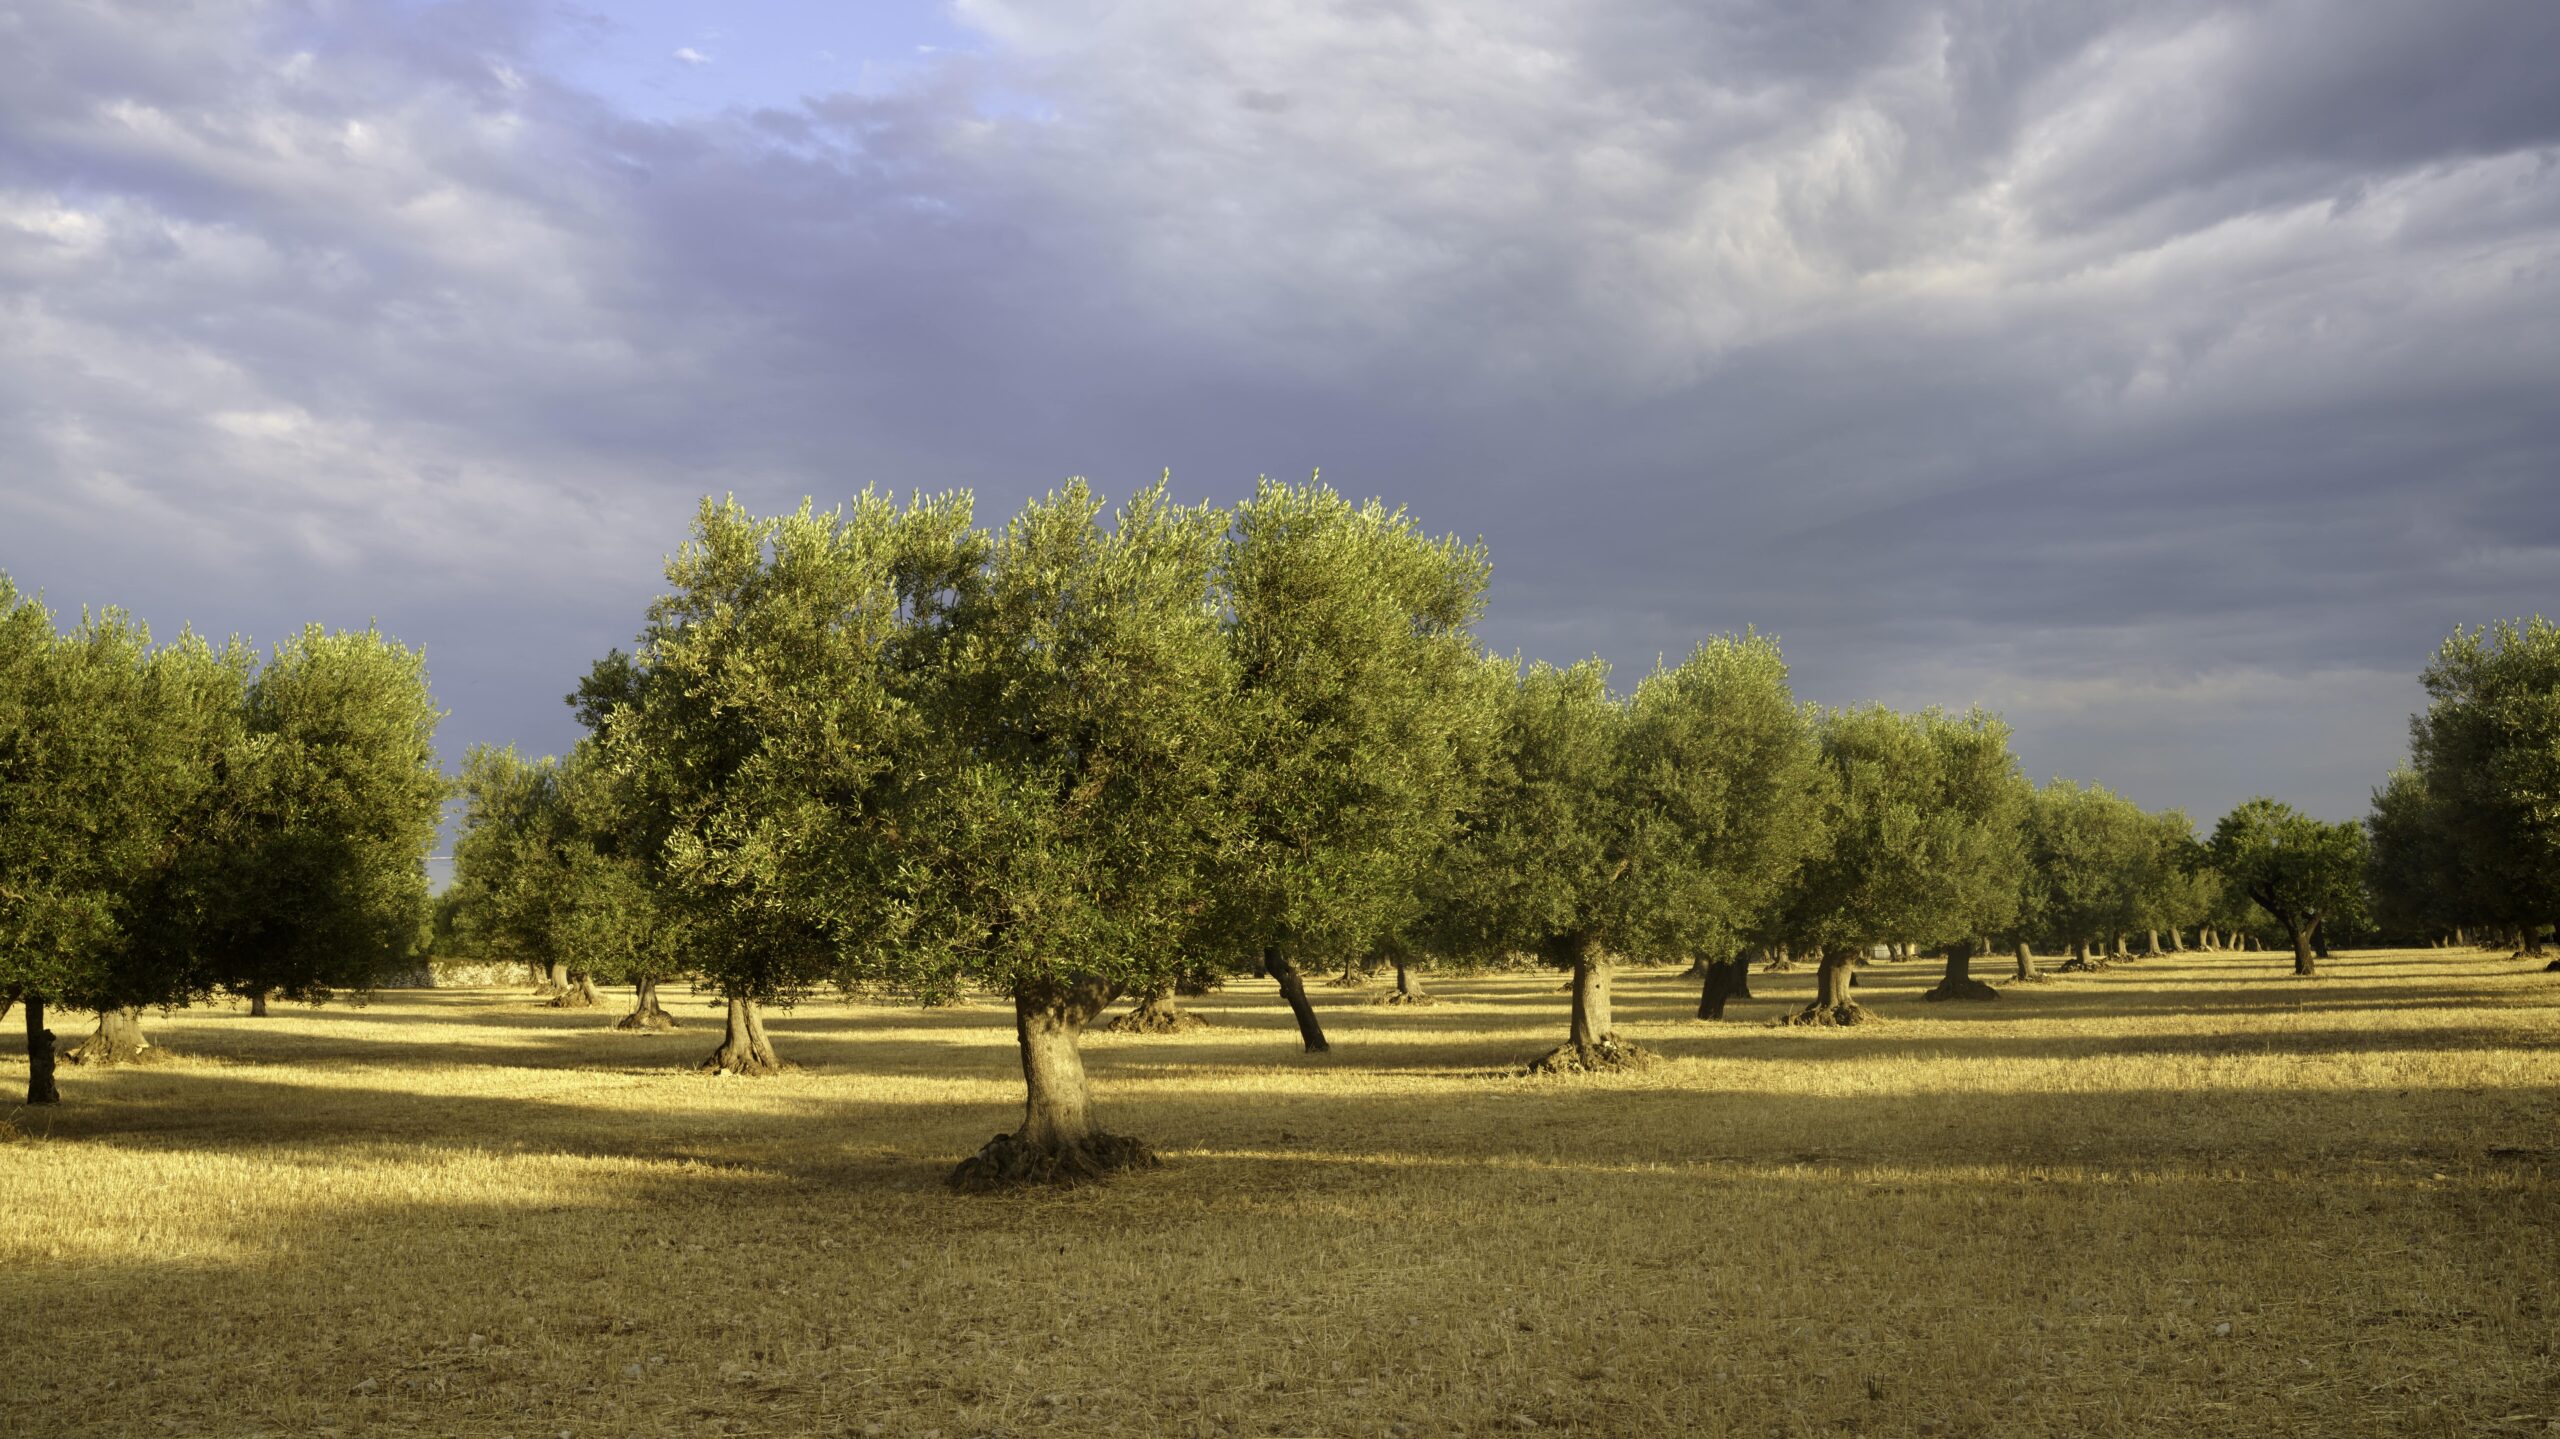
(2167, 377)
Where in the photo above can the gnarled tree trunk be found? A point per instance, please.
(1156, 1013)
(1275, 962)
(1057, 1143)
(645, 1013)
(1592, 1041)
(2151, 944)
(1831, 982)
(40, 1086)
(118, 1039)
(257, 1004)
(2304, 963)
(1958, 982)
(743, 1048)
(1408, 989)
(2026, 962)
(2320, 938)
(1717, 986)
(577, 989)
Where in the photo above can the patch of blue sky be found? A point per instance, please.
(682, 59)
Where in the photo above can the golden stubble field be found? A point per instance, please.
(2188, 1196)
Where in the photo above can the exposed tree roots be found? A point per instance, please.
(1606, 1053)
(118, 1041)
(1824, 1016)
(1008, 1163)
(2076, 965)
(581, 995)
(1778, 966)
(1961, 989)
(652, 1018)
(1406, 996)
(1156, 1016)
(2552, 968)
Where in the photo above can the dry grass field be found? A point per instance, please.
(2190, 1196)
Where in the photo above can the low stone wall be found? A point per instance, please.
(466, 973)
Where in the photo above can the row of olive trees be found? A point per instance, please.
(185, 819)
(1083, 757)
(2467, 836)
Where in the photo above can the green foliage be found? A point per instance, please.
(1081, 730)
(1664, 825)
(1356, 707)
(2487, 754)
(103, 765)
(2299, 869)
(2098, 867)
(1925, 831)
(328, 814)
(764, 743)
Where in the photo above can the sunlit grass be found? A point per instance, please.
(2186, 1196)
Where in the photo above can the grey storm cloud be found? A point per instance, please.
(2169, 378)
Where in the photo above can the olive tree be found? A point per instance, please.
(108, 761)
(1924, 841)
(2488, 750)
(2298, 869)
(762, 740)
(1067, 850)
(1664, 823)
(1348, 635)
(318, 878)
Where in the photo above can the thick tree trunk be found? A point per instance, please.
(577, 990)
(2151, 944)
(1408, 989)
(118, 1039)
(1057, 1143)
(743, 1048)
(1276, 963)
(1591, 1041)
(257, 1004)
(1156, 1013)
(1781, 959)
(2304, 962)
(645, 1013)
(40, 1085)
(2026, 961)
(2177, 941)
(1832, 979)
(1717, 986)
(1958, 982)
(2320, 938)
(1739, 987)
(554, 978)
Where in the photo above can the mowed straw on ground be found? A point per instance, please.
(2187, 1196)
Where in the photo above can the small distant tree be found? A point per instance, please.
(1348, 629)
(510, 865)
(1924, 841)
(2088, 852)
(2298, 869)
(1665, 824)
(2421, 888)
(609, 922)
(318, 878)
